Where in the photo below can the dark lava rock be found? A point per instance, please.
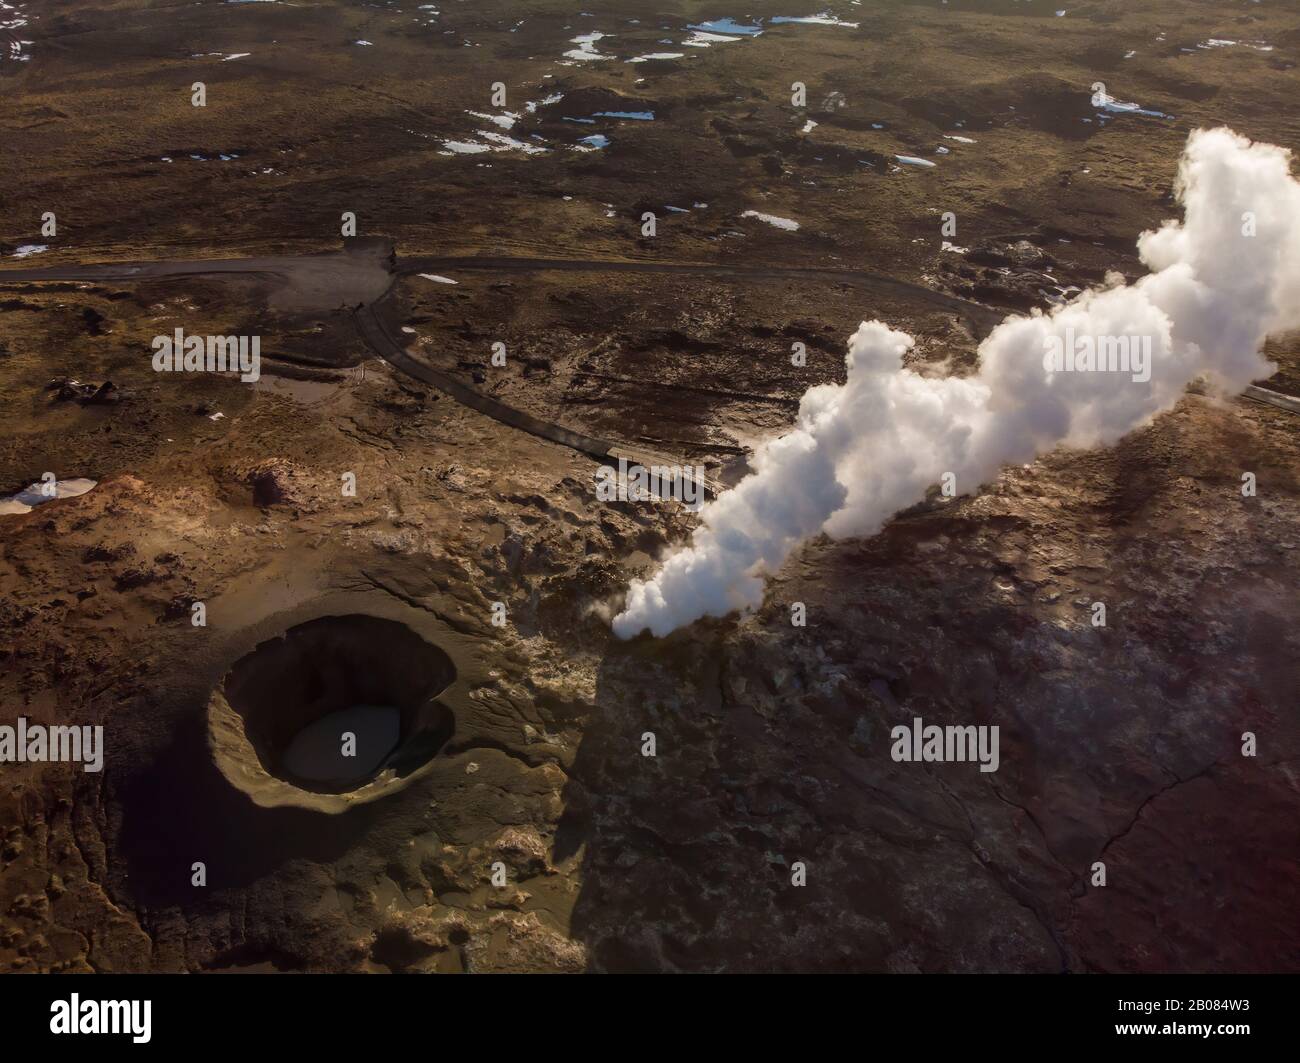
(67, 390)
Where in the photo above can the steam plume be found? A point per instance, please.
(1221, 281)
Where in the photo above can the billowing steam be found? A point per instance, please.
(1083, 375)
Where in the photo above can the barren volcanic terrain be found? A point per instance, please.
(462, 315)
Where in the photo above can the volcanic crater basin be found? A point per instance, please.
(337, 711)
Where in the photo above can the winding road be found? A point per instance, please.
(361, 277)
(370, 323)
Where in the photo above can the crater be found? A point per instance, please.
(336, 711)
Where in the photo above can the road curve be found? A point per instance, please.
(370, 323)
(362, 276)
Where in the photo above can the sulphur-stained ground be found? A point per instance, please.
(1120, 745)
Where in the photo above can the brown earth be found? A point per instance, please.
(1120, 745)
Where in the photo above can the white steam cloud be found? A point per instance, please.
(1221, 281)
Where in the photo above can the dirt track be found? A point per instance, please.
(363, 277)
(356, 275)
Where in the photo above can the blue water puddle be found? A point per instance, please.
(727, 25)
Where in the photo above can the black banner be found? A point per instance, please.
(332, 1012)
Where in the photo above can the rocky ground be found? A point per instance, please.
(1120, 744)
